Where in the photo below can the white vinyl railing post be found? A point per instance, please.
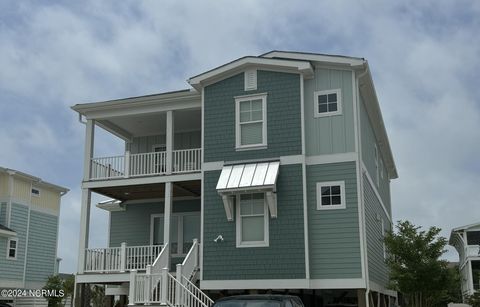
(148, 285)
(164, 289)
(123, 256)
(131, 290)
(195, 243)
(178, 287)
(127, 164)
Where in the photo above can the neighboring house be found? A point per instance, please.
(279, 165)
(466, 240)
(29, 212)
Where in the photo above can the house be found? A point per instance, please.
(270, 174)
(29, 213)
(466, 240)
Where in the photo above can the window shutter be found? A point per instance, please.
(250, 79)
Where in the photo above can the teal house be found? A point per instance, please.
(270, 174)
(29, 213)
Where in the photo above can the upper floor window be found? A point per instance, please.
(252, 220)
(473, 237)
(327, 103)
(36, 192)
(330, 195)
(12, 246)
(251, 121)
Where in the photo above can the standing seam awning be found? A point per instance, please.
(248, 177)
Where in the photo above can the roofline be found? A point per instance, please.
(465, 227)
(83, 108)
(36, 180)
(315, 57)
(220, 72)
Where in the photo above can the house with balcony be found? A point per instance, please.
(466, 240)
(270, 173)
(29, 213)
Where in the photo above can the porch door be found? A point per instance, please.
(184, 227)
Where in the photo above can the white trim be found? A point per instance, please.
(266, 226)
(27, 240)
(6, 233)
(250, 75)
(142, 180)
(9, 248)
(378, 288)
(377, 194)
(323, 58)
(377, 167)
(384, 247)
(332, 158)
(304, 180)
(339, 102)
(293, 159)
(345, 283)
(284, 160)
(322, 184)
(254, 284)
(238, 136)
(102, 278)
(212, 166)
(202, 204)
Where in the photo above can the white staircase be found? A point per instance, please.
(158, 287)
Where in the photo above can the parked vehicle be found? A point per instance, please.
(267, 300)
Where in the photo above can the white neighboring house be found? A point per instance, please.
(466, 240)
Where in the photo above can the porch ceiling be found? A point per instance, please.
(149, 191)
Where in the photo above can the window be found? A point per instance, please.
(252, 221)
(473, 237)
(12, 245)
(184, 227)
(36, 192)
(330, 195)
(251, 121)
(327, 103)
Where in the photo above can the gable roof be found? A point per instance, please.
(35, 180)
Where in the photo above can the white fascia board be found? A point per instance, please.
(320, 58)
(466, 227)
(140, 105)
(141, 180)
(102, 278)
(219, 73)
(8, 234)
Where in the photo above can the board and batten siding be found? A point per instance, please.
(13, 269)
(48, 199)
(374, 214)
(329, 134)
(334, 240)
(284, 258)
(132, 226)
(182, 140)
(42, 244)
(3, 185)
(283, 117)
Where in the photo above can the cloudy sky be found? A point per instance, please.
(424, 59)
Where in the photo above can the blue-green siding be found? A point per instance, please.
(374, 215)
(284, 258)
(42, 244)
(133, 225)
(334, 241)
(182, 140)
(329, 134)
(3, 214)
(283, 117)
(13, 269)
(368, 156)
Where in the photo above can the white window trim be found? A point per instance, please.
(266, 241)
(238, 100)
(326, 92)
(179, 230)
(8, 249)
(36, 195)
(342, 205)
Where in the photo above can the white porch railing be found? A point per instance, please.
(120, 259)
(189, 265)
(145, 164)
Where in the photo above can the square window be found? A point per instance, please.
(331, 195)
(251, 122)
(328, 103)
(252, 220)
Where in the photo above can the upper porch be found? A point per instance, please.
(161, 135)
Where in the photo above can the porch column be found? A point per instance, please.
(88, 155)
(84, 228)
(167, 218)
(169, 142)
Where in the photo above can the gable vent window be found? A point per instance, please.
(36, 192)
(327, 103)
(250, 79)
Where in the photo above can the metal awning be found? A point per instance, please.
(7, 232)
(261, 177)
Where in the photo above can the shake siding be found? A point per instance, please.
(42, 245)
(284, 258)
(377, 268)
(283, 117)
(133, 225)
(368, 142)
(183, 140)
(13, 269)
(329, 134)
(334, 241)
